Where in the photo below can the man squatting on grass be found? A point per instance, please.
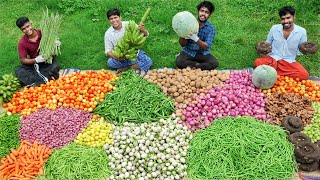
(113, 35)
(285, 39)
(196, 47)
(33, 71)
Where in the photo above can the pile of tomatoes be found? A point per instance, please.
(287, 84)
(80, 90)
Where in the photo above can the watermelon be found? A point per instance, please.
(264, 77)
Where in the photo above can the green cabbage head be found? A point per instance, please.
(264, 77)
(185, 24)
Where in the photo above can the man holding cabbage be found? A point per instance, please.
(196, 46)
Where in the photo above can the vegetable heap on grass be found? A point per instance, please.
(155, 150)
(77, 162)
(49, 26)
(241, 148)
(24, 163)
(9, 84)
(79, 90)
(129, 45)
(54, 128)
(237, 97)
(97, 134)
(135, 100)
(9, 133)
(313, 129)
(285, 84)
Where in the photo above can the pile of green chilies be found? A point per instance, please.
(77, 162)
(9, 133)
(241, 148)
(49, 26)
(135, 100)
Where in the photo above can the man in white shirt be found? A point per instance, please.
(285, 39)
(113, 35)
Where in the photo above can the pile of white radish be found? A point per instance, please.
(155, 150)
(237, 97)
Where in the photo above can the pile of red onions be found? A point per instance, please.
(237, 97)
(54, 128)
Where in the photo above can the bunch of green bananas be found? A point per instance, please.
(9, 84)
(130, 43)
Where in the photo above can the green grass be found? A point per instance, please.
(240, 25)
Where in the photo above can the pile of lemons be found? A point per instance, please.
(97, 134)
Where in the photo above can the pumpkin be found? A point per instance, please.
(185, 24)
(264, 77)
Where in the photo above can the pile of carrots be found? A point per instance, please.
(81, 90)
(25, 163)
(285, 84)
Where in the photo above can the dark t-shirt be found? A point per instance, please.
(26, 47)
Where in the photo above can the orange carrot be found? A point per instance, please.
(14, 152)
(28, 154)
(26, 142)
(13, 157)
(3, 166)
(22, 149)
(41, 173)
(9, 159)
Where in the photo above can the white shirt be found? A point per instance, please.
(112, 36)
(286, 49)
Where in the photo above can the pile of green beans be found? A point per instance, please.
(77, 162)
(241, 148)
(9, 133)
(135, 100)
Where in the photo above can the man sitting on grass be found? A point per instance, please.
(113, 35)
(33, 71)
(287, 40)
(196, 47)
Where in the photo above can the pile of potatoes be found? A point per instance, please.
(182, 84)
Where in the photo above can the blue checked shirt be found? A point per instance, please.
(206, 34)
(286, 49)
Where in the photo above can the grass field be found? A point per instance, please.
(240, 25)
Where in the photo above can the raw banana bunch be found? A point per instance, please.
(9, 84)
(130, 43)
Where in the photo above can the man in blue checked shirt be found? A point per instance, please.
(196, 47)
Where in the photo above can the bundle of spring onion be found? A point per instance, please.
(241, 148)
(49, 26)
(77, 162)
(135, 100)
(154, 150)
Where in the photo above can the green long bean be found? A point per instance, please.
(241, 148)
(135, 100)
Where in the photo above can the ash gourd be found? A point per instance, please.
(264, 77)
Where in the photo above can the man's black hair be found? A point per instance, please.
(21, 21)
(287, 10)
(113, 11)
(206, 4)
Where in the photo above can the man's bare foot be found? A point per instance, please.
(121, 70)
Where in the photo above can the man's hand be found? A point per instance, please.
(39, 59)
(193, 37)
(143, 30)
